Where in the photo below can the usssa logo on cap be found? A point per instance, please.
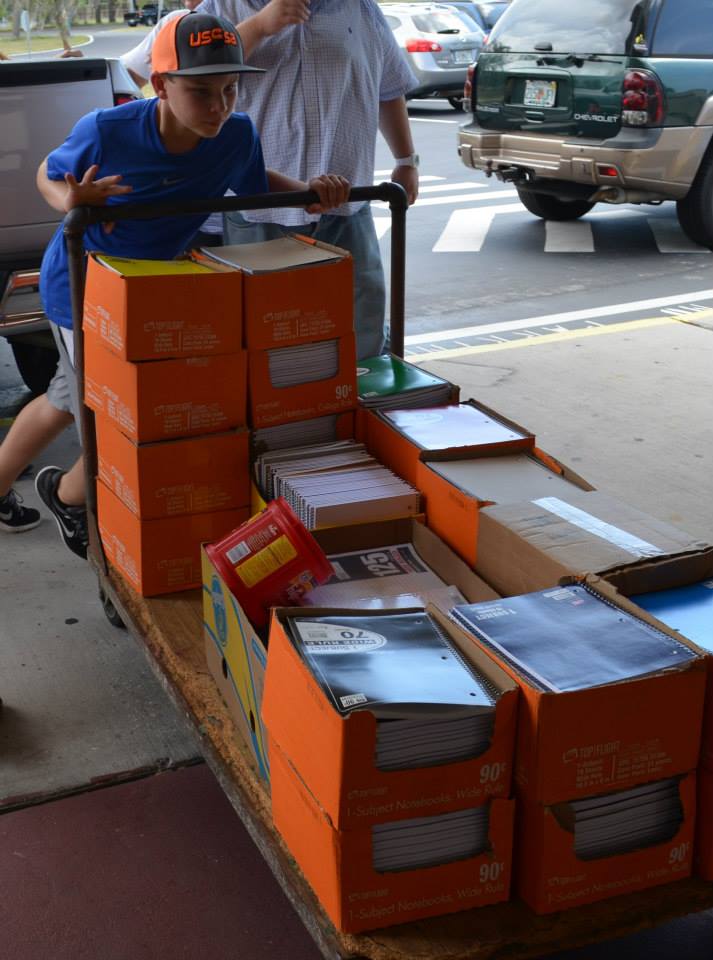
(197, 44)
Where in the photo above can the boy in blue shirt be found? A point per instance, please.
(184, 144)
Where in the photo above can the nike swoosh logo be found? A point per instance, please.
(71, 533)
(170, 182)
(6, 516)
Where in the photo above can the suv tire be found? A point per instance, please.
(695, 210)
(552, 208)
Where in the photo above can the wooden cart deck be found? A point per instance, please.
(170, 631)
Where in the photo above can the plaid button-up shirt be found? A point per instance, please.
(317, 107)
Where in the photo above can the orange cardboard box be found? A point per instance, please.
(335, 755)
(159, 556)
(295, 289)
(271, 405)
(664, 573)
(585, 742)
(171, 477)
(454, 514)
(339, 867)
(402, 455)
(549, 876)
(703, 851)
(162, 399)
(161, 316)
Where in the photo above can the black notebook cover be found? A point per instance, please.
(568, 638)
(399, 665)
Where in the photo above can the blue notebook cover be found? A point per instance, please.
(689, 610)
(569, 638)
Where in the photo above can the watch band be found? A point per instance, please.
(410, 161)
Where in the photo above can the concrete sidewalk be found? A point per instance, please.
(162, 867)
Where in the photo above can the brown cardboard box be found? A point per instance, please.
(532, 545)
(457, 490)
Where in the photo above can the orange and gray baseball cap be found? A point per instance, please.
(198, 44)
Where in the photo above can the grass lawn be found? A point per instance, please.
(37, 43)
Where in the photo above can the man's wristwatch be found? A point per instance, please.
(410, 161)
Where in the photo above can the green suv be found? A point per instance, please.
(605, 101)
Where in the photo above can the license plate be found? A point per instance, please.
(462, 56)
(540, 93)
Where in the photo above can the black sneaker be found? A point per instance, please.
(72, 521)
(15, 518)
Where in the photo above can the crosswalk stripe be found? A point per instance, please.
(670, 238)
(379, 175)
(442, 187)
(574, 236)
(383, 225)
(466, 230)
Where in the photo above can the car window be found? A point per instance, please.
(589, 26)
(685, 27)
(490, 12)
(470, 24)
(438, 22)
(393, 22)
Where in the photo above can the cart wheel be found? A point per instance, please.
(111, 611)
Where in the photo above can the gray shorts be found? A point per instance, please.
(62, 391)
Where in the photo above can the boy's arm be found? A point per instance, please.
(332, 189)
(274, 17)
(64, 195)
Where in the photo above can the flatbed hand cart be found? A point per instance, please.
(169, 630)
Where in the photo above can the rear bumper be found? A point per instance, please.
(661, 162)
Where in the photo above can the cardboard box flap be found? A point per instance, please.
(573, 533)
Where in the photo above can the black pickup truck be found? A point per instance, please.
(40, 101)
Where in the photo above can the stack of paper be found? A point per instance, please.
(335, 483)
(616, 823)
(428, 841)
(304, 363)
(689, 610)
(383, 577)
(456, 425)
(569, 638)
(389, 382)
(431, 707)
(299, 433)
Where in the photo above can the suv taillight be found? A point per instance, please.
(468, 87)
(423, 46)
(642, 99)
(120, 98)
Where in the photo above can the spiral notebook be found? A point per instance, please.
(570, 638)
(688, 610)
(453, 426)
(431, 707)
(389, 382)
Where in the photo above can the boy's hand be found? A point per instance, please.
(92, 193)
(332, 190)
(278, 14)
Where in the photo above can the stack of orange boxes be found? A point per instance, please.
(165, 374)
(328, 795)
(594, 741)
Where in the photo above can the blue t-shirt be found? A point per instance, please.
(125, 140)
